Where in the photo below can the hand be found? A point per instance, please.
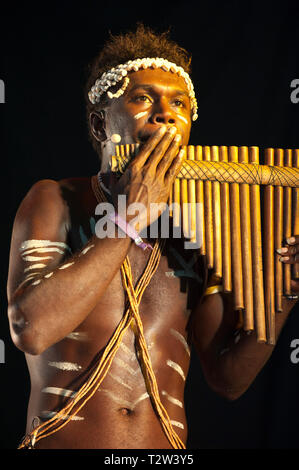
(290, 255)
(149, 177)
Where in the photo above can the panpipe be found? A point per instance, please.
(224, 193)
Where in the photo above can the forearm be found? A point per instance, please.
(42, 313)
(240, 358)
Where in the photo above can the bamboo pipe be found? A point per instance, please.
(208, 208)
(269, 254)
(191, 198)
(237, 275)
(296, 210)
(278, 234)
(200, 215)
(287, 229)
(225, 228)
(216, 219)
(248, 316)
(257, 263)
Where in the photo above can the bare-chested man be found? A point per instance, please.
(65, 291)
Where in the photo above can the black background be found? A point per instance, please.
(244, 59)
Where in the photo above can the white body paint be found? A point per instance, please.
(173, 400)
(119, 380)
(176, 367)
(140, 115)
(115, 138)
(42, 244)
(181, 338)
(124, 403)
(64, 266)
(182, 118)
(177, 424)
(51, 414)
(35, 266)
(86, 249)
(69, 366)
(59, 391)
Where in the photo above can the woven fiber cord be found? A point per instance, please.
(227, 172)
(131, 318)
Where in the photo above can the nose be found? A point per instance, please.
(163, 114)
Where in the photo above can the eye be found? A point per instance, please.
(179, 103)
(143, 98)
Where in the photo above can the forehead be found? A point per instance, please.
(159, 79)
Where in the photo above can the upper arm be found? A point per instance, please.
(41, 220)
(213, 323)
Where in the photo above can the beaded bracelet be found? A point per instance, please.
(128, 229)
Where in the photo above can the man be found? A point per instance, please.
(105, 325)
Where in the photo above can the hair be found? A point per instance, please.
(143, 42)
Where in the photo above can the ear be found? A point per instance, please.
(97, 125)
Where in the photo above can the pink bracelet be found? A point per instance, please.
(128, 229)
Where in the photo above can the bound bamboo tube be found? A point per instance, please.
(257, 263)
(208, 210)
(200, 215)
(184, 206)
(296, 210)
(287, 229)
(216, 219)
(191, 199)
(237, 275)
(246, 247)
(278, 234)
(225, 228)
(269, 253)
(177, 203)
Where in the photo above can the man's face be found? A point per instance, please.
(153, 98)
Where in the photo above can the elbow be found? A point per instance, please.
(23, 333)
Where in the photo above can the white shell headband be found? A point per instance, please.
(119, 73)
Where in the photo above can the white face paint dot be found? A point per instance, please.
(115, 138)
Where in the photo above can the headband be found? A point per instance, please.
(119, 73)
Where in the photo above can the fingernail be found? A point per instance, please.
(291, 240)
(283, 259)
(162, 129)
(281, 250)
(177, 138)
(172, 130)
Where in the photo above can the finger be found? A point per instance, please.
(169, 155)
(294, 240)
(149, 146)
(159, 152)
(288, 250)
(174, 168)
(289, 259)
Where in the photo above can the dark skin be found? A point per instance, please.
(88, 296)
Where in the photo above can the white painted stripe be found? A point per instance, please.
(121, 401)
(140, 115)
(43, 250)
(42, 243)
(124, 365)
(36, 282)
(128, 351)
(181, 338)
(85, 250)
(177, 424)
(173, 400)
(35, 266)
(64, 266)
(182, 118)
(49, 274)
(176, 367)
(65, 365)
(36, 258)
(77, 335)
(51, 414)
(120, 381)
(59, 391)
